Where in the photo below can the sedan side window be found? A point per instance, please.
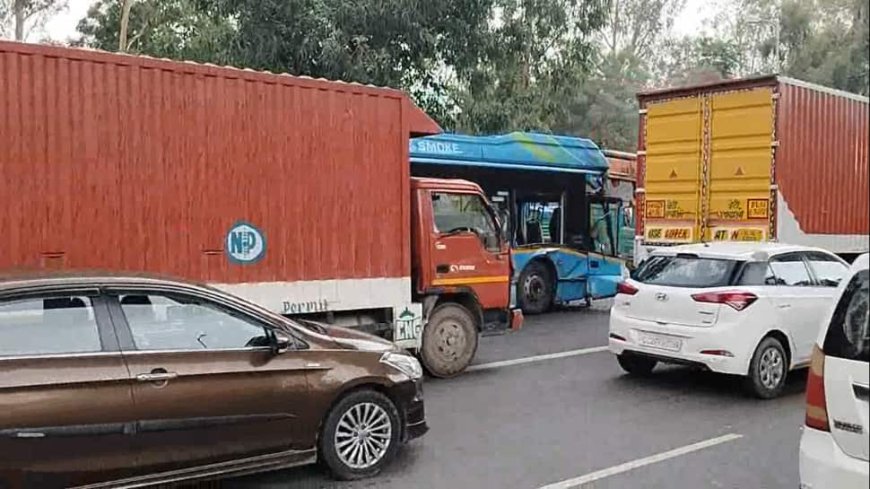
(828, 270)
(177, 322)
(790, 270)
(48, 326)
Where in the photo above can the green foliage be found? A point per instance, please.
(176, 29)
(533, 57)
(821, 41)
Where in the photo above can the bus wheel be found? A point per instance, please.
(536, 288)
(449, 340)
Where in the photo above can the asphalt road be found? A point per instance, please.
(565, 421)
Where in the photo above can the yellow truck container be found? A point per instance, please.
(768, 158)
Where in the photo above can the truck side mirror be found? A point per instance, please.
(491, 241)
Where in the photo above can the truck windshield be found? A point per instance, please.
(686, 271)
(464, 212)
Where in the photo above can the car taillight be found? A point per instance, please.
(817, 407)
(737, 300)
(626, 288)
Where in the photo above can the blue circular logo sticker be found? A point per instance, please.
(245, 243)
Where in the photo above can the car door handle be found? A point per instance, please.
(785, 306)
(157, 377)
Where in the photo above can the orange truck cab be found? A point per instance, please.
(461, 270)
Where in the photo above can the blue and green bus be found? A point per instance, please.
(549, 193)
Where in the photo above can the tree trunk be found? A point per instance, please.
(126, 5)
(18, 12)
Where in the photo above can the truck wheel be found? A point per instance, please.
(768, 370)
(536, 288)
(449, 340)
(360, 434)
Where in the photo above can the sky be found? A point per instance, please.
(63, 25)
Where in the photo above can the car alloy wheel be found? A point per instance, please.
(771, 368)
(363, 435)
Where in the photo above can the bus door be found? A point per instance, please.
(606, 219)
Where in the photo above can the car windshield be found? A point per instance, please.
(686, 271)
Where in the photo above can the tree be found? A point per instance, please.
(22, 16)
(637, 27)
(177, 29)
(534, 56)
(695, 60)
(822, 41)
(630, 44)
(604, 108)
(126, 6)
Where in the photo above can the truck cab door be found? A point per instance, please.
(467, 249)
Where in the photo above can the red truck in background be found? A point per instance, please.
(291, 192)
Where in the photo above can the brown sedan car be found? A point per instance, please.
(132, 381)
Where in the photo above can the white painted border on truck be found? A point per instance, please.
(314, 296)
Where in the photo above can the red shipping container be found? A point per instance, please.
(138, 164)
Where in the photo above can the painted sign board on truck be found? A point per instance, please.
(767, 158)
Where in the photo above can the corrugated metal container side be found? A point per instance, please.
(131, 163)
(822, 159)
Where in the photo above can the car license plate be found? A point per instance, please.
(660, 341)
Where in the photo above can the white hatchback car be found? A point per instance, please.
(835, 441)
(749, 309)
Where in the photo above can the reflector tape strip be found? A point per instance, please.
(493, 279)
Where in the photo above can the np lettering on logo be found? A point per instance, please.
(245, 243)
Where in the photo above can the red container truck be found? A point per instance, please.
(766, 158)
(291, 192)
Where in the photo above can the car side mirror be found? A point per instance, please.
(283, 342)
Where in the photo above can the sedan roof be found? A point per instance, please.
(38, 279)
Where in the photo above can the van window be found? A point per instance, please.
(848, 334)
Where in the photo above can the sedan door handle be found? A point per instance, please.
(785, 306)
(157, 377)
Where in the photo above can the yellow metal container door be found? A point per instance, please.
(674, 137)
(738, 194)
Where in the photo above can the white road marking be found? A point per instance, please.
(641, 462)
(537, 358)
